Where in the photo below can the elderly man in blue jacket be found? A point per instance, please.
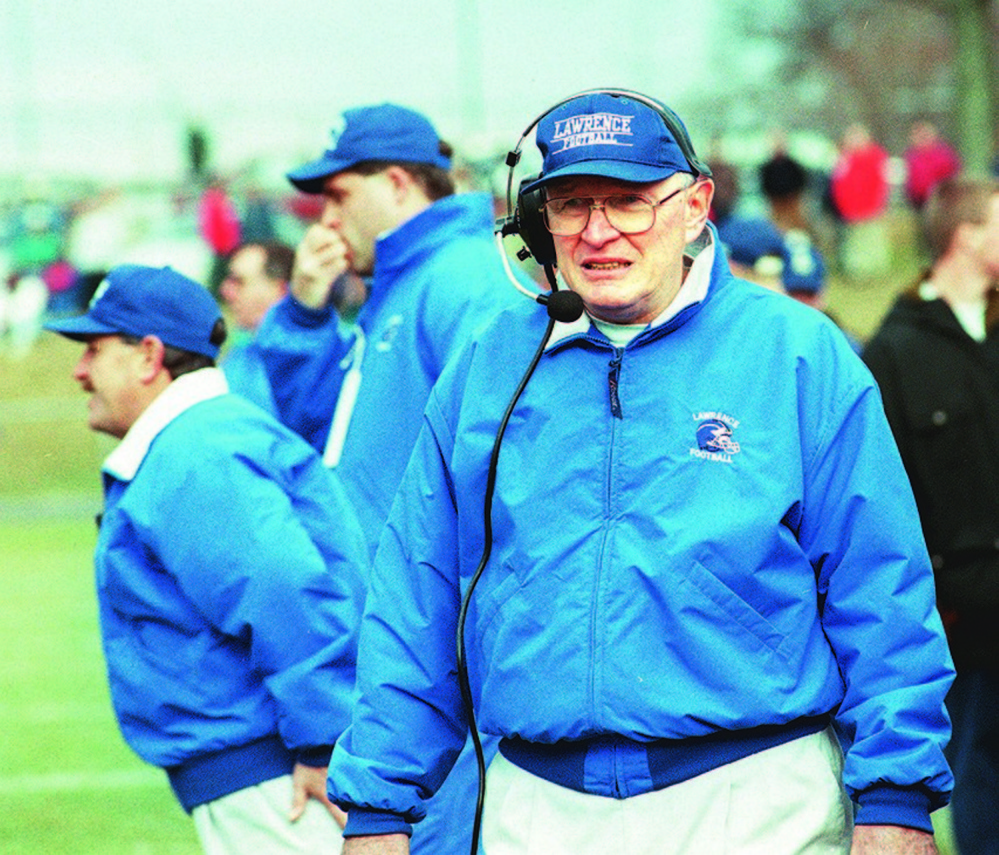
(230, 573)
(678, 572)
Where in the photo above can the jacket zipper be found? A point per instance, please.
(613, 378)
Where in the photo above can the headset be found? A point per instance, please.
(527, 221)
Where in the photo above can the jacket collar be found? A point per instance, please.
(182, 394)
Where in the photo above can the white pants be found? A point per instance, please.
(254, 821)
(787, 800)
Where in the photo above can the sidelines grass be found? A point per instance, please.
(68, 783)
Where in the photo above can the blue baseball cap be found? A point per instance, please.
(609, 135)
(140, 301)
(382, 132)
(748, 239)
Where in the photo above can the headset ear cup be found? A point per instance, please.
(530, 225)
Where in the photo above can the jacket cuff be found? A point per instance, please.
(304, 316)
(316, 757)
(366, 822)
(894, 806)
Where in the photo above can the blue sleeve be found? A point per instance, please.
(302, 350)
(279, 571)
(409, 725)
(876, 594)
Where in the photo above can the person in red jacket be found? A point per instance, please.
(859, 183)
(929, 159)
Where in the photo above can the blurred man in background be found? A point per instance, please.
(936, 359)
(256, 278)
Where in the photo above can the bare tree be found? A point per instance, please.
(882, 62)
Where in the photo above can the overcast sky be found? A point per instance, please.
(107, 86)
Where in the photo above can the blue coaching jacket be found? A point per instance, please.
(704, 543)
(358, 394)
(230, 578)
(437, 277)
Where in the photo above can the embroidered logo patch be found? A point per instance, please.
(389, 334)
(715, 440)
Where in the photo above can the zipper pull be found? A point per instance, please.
(613, 380)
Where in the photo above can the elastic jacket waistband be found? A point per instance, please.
(212, 776)
(617, 767)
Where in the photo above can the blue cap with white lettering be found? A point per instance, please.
(609, 135)
(139, 301)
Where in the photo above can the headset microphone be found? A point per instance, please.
(565, 306)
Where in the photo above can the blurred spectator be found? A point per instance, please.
(755, 249)
(777, 252)
(859, 182)
(727, 190)
(63, 283)
(929, 159)
(758, 248)
(784, 182)
(37, 236)
(220, 227)
(859, 190)
(98, 235)
(258, 276)
(22, 311)
(936, 359)
(258, 224)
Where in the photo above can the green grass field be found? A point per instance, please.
(68, 783)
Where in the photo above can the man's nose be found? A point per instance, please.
(598, 228)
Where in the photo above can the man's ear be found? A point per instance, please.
(151, 351)
(699, 198)
(402, 181)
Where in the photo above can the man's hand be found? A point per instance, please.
(320, 259)
(379, 844)
(309, 782)
(891, 840)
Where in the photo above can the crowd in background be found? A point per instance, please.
(53, 254)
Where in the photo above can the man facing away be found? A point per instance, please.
(230, 573)
(936, 359)
(699, 585)
(357, 393)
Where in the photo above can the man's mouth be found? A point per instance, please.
(605, 265)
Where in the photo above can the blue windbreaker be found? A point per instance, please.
(358, 395)
(437, 277)
(706, 533)
(231, 573)
(244, 371)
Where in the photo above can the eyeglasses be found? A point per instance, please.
(628, 213)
